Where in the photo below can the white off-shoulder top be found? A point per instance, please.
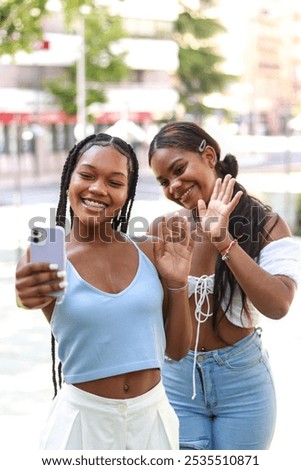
(280, 257)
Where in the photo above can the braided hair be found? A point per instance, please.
(119, 222)
(247, 221)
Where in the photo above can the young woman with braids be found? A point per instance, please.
(113, 327)
(244, 262)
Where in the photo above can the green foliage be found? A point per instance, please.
(20, 24)
(64, 90)
(103, 30)
(21, 21)
(199, 27)
(199, 73)
(102, 64)
(21, 28)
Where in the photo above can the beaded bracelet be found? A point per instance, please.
(225, 256)
(177, 288)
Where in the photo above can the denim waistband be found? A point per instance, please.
(223, 353)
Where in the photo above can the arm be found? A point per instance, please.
(172, 255)
(272, 295)
(178, 324)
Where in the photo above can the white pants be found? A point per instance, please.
(81, 420)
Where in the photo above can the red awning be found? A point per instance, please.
(112, 117)
(59, 117)
(51, 117)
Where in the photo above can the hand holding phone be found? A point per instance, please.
(47, 244)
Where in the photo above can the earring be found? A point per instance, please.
(67, 192)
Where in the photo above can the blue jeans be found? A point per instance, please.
(235, 404)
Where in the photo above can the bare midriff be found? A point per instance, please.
(123, 386)
(210, 337)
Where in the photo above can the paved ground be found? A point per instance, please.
(25, 374)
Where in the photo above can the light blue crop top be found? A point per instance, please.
(100, 334)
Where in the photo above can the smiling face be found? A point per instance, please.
(99, 185)
(185, 176)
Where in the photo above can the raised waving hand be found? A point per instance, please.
(173, 250)
(213, 219)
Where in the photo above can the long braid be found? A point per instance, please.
(54, 381)
(121, 221)
(125, 213)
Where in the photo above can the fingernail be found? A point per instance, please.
(53, 266)
(61, 273)
(63, 284)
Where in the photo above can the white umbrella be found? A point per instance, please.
(295, 123)
(128, 131)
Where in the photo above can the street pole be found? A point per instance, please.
(81, 118)
(16, 150)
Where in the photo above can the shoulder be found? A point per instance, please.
(276, 228)
(146, 244)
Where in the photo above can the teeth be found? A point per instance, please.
(185, 194)
(94, 204)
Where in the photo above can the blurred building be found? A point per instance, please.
(262, 47)
(152, 56)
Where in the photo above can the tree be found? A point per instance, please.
(103, 64)
(21, 21)
(21, 26)
(199, 73)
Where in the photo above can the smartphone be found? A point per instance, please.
(47, 244)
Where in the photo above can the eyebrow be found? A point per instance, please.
(115, 173)
(171, 167)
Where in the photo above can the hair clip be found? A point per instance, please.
(202, 145)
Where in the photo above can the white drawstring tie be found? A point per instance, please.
(203, 288)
